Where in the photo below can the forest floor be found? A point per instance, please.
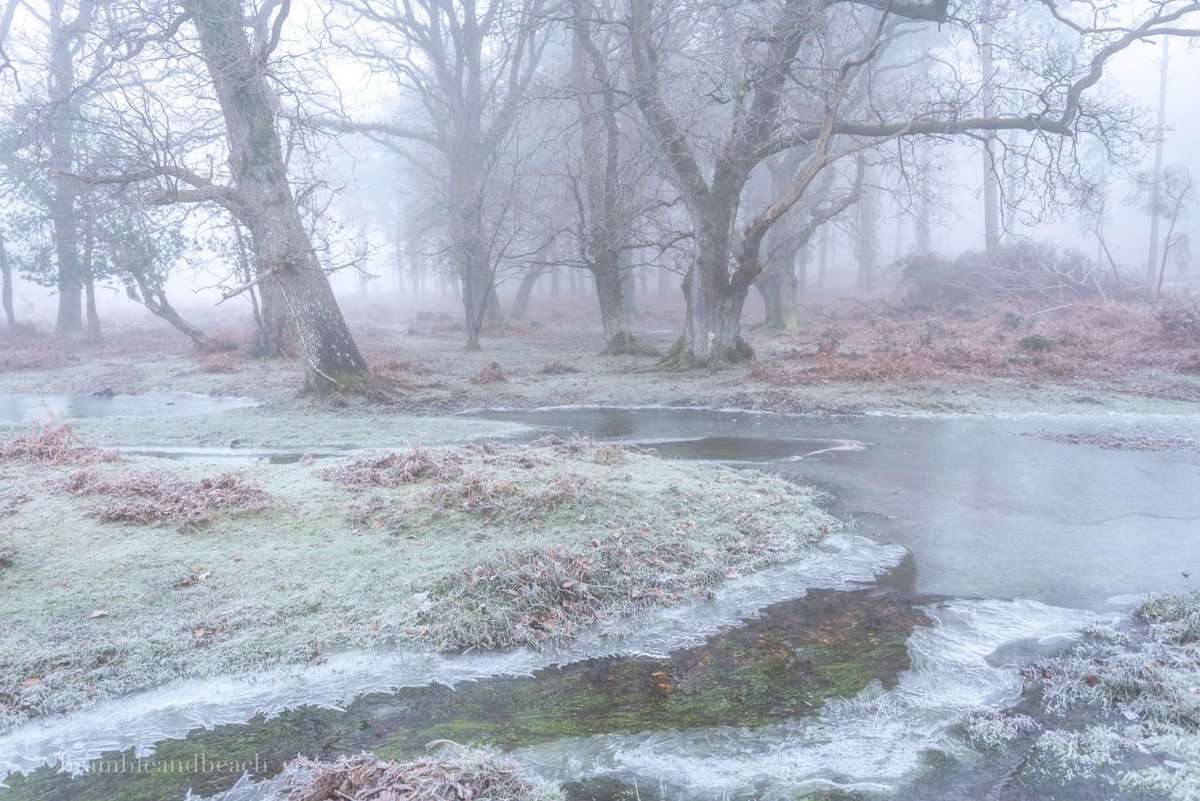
(851, 357)
(120, 571)
(123, 581)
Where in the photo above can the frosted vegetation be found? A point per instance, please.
(123, 572)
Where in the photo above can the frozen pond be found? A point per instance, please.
(24, 409)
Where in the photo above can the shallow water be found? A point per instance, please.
(987, 510)
(793, 681)
(24, 409)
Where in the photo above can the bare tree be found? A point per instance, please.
(1152, 260)
(759, 128)
(469, 64)
(262, 197)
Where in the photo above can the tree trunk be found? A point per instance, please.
(271, 326)
(1156, 189)
(612, 295)
(991, 184)
(866, 246)
(823, 257)
(6, 287)
(524, 290)
(287, 259)
(711, 331)
(155, 299)
(778, 286)
(64, 187)
(93, 316)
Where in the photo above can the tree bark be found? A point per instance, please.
(288, 262)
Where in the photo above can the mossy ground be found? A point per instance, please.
(93, 609)
(783, 665)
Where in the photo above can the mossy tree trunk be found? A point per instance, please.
(287, 260)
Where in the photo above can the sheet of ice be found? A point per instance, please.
(169, 712)
(871, 742)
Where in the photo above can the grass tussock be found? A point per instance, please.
(541, 596)
(398, 468)
(52, 443)
(493, 482)
(467, 774)
(491, 373)
(164, 499)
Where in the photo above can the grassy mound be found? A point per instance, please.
(125, 575)
(1120, 711)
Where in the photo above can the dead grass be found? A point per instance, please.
(398, 468)
(160, 498)
(493, 498)
(882, 343)
(557, 368)
(491, 373)
(52, 442)
(467, 775)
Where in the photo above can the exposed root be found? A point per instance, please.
(626, 344)
(680, 357)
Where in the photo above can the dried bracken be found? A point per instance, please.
(469, 775)
(491, 373)
(541, 596)
(52, 443)
(398, 468)
(159, 498)
(1100, 341)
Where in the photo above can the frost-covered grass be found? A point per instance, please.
(508, 544)
(1125, 710)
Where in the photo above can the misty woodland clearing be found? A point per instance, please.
(447, 400)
